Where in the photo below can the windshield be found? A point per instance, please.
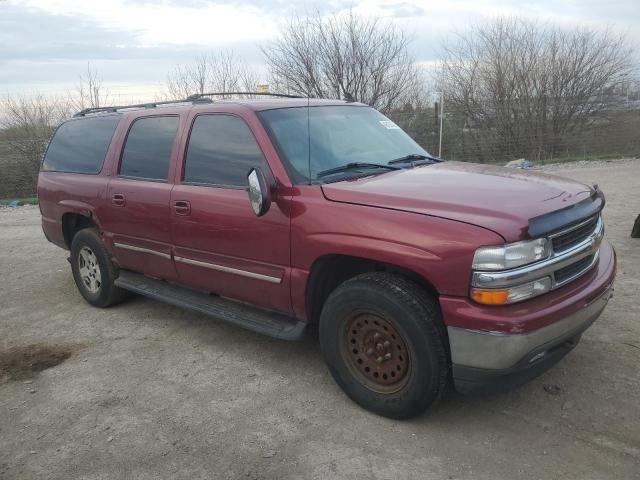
(339, 135)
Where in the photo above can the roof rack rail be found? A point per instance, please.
(115, 108)
(197, 96)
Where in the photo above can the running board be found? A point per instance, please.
(252, 318)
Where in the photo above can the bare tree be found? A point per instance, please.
(525, 86)
(28, 122)
(89, 92)
(219, 72)
(344, 56)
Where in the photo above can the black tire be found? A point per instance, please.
(412, 323)
(107, 294)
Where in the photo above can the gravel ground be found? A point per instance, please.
(582, 164)
(152, 391)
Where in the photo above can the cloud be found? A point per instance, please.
(45, 43)
(403, 10)
(271, 6)
(27, 33)
(48, 51)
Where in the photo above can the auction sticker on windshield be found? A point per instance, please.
(388, 124)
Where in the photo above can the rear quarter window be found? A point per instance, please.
(147, 150)
(80, 145)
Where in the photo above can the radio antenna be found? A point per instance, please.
(309, 136)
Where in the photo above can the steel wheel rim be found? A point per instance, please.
(89, 270)
(375, 352)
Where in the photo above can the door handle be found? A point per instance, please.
(181, 207)
(118, 199)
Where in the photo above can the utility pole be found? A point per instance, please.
(441, 122)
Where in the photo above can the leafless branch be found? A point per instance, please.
(523, 83)
(28, 122)
(344, 56)
(89, 92)
(219, 72)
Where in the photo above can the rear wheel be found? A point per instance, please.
(93, 270)
(383, 339)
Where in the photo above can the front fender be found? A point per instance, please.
(439, 250)
(393, 252)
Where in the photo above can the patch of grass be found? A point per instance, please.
(21, 201)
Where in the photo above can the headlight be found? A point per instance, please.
(511, 255)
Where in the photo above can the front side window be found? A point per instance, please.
(221, 151)
(313, 140)
(80, 145)
(147, 150)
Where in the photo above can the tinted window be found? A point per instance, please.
(147, 149)
(221, 151)
(80, 145)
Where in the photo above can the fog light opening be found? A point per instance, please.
(537, 356)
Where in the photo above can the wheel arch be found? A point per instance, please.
(73, 222)
(329, 271)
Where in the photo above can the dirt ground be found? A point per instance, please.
(151, 391)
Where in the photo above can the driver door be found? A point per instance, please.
(220, 245)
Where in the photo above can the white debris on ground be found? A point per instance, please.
(521, 163)
(17, 210)
(590, 164)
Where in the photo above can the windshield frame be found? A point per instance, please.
(296, 177)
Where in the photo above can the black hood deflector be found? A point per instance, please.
(550, 222)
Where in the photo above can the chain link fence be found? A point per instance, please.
(612, 132)
(16, 180)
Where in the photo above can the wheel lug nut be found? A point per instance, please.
(370, 351)
(386, 343)
(376, 336)
(379, 359)
(379, 346)
(387, 356)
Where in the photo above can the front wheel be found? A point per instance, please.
(93, 270)
(384, 342)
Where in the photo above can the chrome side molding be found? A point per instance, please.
(198, 263)
(142, 250)
(235, 271)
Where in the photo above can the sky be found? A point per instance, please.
(133, 44)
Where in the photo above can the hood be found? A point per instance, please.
(497, 198)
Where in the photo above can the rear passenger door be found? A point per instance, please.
(139, 193)
(219, 243)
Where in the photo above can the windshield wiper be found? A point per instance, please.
(355, 166)
(412, 157)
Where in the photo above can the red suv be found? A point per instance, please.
(280, 215)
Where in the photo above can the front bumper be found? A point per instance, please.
(499, 358)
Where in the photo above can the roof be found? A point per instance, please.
(272, 103)
(256, 104)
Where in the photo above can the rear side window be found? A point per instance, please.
(80, 145)
(147, 150)
(221, 151)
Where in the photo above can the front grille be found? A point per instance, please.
(573, 237)
(567, 273)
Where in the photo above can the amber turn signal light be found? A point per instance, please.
(490, 297)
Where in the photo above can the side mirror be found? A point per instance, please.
(259, 192)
